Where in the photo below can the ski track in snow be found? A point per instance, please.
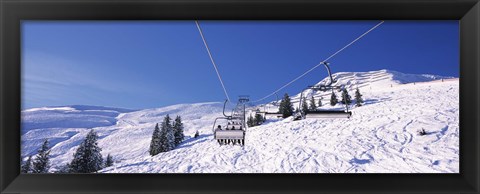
(380, 137)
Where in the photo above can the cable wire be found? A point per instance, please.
(213, 61)
(314, 67)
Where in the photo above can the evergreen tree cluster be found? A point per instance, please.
(27, 166)
(86, 159)
(41, 163)
(166, 137)
(255, 121)
(347, 99)
(312, 105)
(286, 106)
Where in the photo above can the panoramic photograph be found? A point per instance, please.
(250, 96)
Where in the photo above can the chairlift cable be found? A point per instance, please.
(323, 61)
(213, 61)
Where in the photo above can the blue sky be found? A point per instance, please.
(146, 64)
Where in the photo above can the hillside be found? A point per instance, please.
(381, 136)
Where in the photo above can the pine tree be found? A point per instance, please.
(358, 98)
(109, 161)
(280, 106)
(346, 98)
(41, 163)
(27, 165)
(196, 134)
(304, 105)
(258, 120)
(178, 130)
(167, 136)
(250, 122)
(313, 105)
(87, 158)
(333, 99)
(163, 147)
(170, 134)
(155, 142)
(320, 102)
(286, 107)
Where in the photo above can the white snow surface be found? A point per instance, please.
(380, 137)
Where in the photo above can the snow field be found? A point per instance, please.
(380, 137)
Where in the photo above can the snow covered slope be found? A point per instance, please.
(380, 137)
(125, 135)
(372, 80)
(69, 117)
(59, 124)
(380, 78)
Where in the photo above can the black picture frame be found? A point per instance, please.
(12, 12)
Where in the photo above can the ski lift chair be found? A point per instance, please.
(233, 131)
(323, 114)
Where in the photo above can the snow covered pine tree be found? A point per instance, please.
(167, 137)
(170, 133)
(196, 134)
(27, 166)
(41, 163)
(87, 158)
(155, 142)
(313, 105)
(304, 105)
(178, 130)
(250, 122)
(346, 98)
(109, 161)
(286, 107)
(258, 120)
(358, 98)
(333, 99)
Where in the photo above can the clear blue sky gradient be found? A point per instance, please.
(146, 64)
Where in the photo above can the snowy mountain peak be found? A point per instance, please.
(379, 78)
